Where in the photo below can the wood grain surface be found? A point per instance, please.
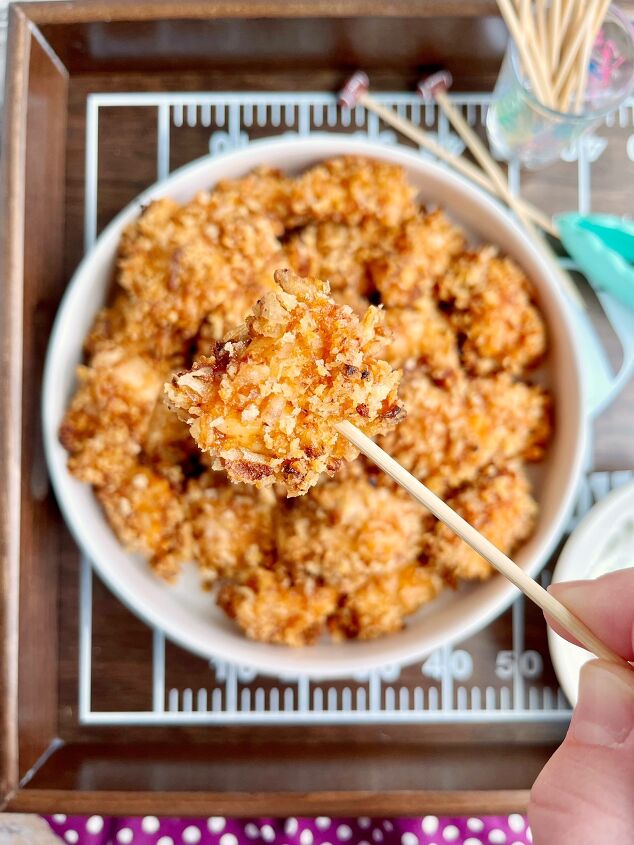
(334, 770)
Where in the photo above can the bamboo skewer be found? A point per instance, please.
(480, 544)
(542, 29)
(572, 52)
(535, 73)
(436, 86)
(554, 34)
(355, 92)
(555, 46)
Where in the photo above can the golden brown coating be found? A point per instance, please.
(489, 301)
(178, 263)
(269, 608)
(264, 192)
(422, 338)
(232, 525)
(380, 606)
(168, 446)
(499, 504)
(454, 429)
(349, 190)
(266, 403)
(109, 414)
(337, 253)
(149, 517)
(355, 556)
(413, 256)
(344, 531)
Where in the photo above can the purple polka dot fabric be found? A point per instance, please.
(216, 830)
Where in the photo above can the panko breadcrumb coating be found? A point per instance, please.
(455, 428)
(380, 606)
(318, 535)
(489, 302)
(109, 414)
(499, 504)
(414, 255)
(149, 517)
(270, 608)
(232, 525)
(355, 556)
(349, 190)
(337, 253)
(266, 403)
(421, 337)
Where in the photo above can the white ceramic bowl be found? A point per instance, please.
(186, 614)
(601, 543)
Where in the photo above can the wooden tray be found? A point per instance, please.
(58, 54)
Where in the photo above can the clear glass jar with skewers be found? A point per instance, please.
(558, 81)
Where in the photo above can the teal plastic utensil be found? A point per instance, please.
(603, 248)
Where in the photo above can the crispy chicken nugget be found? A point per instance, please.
(413, 256)
(266, 403)
(232, 525)
(499, 504)
(264, 192)
(270, 608)
(454, 429)
(337, 253)
(489, 300)
(344, 531)
(421, 336)
(178, 263)
(168, 446)
(149, 517)
(349, 190)
(380, 605)
(110, 413)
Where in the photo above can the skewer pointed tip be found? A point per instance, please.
(357, 85)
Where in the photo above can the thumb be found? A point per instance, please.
(584, 795)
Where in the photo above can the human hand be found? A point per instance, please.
(585, 793)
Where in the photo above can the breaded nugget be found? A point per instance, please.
(421, 336)
(355, 555)
(413, 256)
(337, 253)
(178, 263)
(231, 313)
(454, 429)
(499, 504)
(344, 531)
(349, 190)
(232, 525)
(148, 515)
(264, 192)
(110, 413)
(168, 446)
(266, 404)
(271, 609)
(380, 606)
(489, 300)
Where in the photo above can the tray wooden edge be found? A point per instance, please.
(276, 804)
(11, 254)
(86, 11)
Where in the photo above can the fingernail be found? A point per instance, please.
(605, 711)
(574, 594)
